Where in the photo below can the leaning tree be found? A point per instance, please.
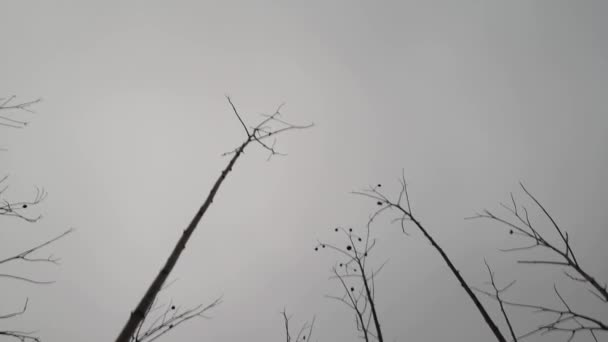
(263, 135)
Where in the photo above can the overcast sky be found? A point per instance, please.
(467, 97)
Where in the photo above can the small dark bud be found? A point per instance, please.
(350, 229)
(511, 231)
(323, 246)
(379, 185)
(304, 337)
(24, 206)
(341, 265)
(365, 254)
(172, 307)
(171, 326)
(348, 248)
(316, 248)
(336, 229)
(359, 239)
(379, 203)
(352, 289)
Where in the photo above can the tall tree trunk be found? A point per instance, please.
(146, 302)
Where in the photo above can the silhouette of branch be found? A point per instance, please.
(169, 317)
(18, 335)
(403, 207)
(10, 103)
(523, 227)
(270, 126)
(22, 336)
(304, 333)
(25, 256)
(565, 320)
(496, 295)
(16, 313)
(359, 298)
(19, 208)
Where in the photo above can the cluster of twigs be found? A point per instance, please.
(357, 280)
(168, 317)
(564, 320)
(10, 103)
(27, 256)
(19, 210)
(304, 333)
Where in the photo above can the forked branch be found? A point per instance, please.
(304, 333)
(19, 209)
(168, 318)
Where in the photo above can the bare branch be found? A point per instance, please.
(497, 293)
(25, 254)
(527, 231)
(304, 333)
(171, 317)
(359, 298)
(8, 104)
(237, 115)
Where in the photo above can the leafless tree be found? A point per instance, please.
(11, 209)
(402, 207)
(357, 279)
(267, 129)
(566, 319)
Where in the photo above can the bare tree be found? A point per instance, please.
(20, 210)
(566, 319)
(357, 279)
(402, 206)
(270, 126)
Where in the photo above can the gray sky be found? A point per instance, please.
(467, 97)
